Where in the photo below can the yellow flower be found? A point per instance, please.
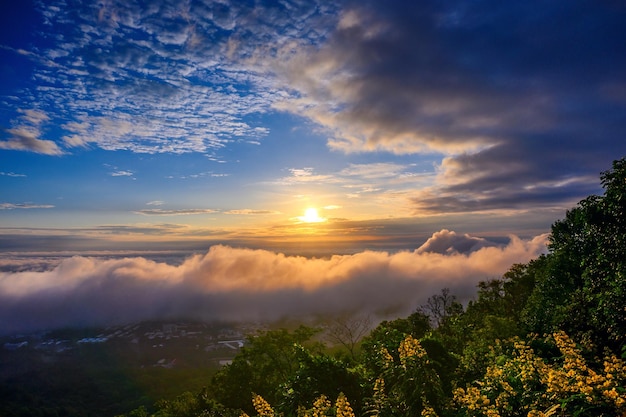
(387, 358)
(262, 407)
(343, 406)
(321, 406)
(428, 412)
(410, 347)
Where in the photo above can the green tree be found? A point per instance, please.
(389, 335)
(583, 290)
(320, 374)
(267, 361)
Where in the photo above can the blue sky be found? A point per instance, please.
(178, 125)
(221, 115)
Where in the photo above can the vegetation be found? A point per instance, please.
(548, 338)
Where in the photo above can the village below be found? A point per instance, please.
(143, 361)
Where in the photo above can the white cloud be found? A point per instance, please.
(12, 174)
(165, 79)
(229, 283)
(449, 242)
(121, 173)
(26, 139)
(34, 117)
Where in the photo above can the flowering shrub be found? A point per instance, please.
(262, 407)
(321, 408)
(520, 383)
(408, 384)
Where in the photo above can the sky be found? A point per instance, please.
(245, 159)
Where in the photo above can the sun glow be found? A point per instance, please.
(311, 216)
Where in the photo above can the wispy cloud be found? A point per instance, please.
(14, 206)
(251, 212)
(27, 139)
(229, 283)
(305, 175)
(12, 174)
(121, 173)
(177, 212)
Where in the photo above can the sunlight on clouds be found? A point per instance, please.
(247, 284)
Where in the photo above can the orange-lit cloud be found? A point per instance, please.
(248, 284)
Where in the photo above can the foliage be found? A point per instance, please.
(268, 360)
(409, 383)
(584, 285)
(519, 382)
(545, 339)
(320, 374)
(389, 334)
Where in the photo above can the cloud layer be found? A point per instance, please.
(154, 76)
(524, 101)
(244, 284)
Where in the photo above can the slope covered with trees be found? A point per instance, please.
(547, 338)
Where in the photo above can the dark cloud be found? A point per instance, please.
(244, 284)
(520, 97)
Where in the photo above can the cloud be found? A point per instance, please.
(26, 139)
(510, 96)
(12, 174)
(446, 241)
(378, 170)
(12, 206)
(250, 212)
(245, 284)
(306, 175)
(150, 77)
(122, 173)
(34, 117)
(178, 212)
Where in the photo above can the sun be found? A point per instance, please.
(311, 216)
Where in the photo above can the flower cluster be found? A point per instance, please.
(386, 357)
(521, 381)
(379, 397)
(320, 406)
(474, 401)
(262, 407)
(575, 377)
(428, 411)
(343, 407)
(410, 348)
